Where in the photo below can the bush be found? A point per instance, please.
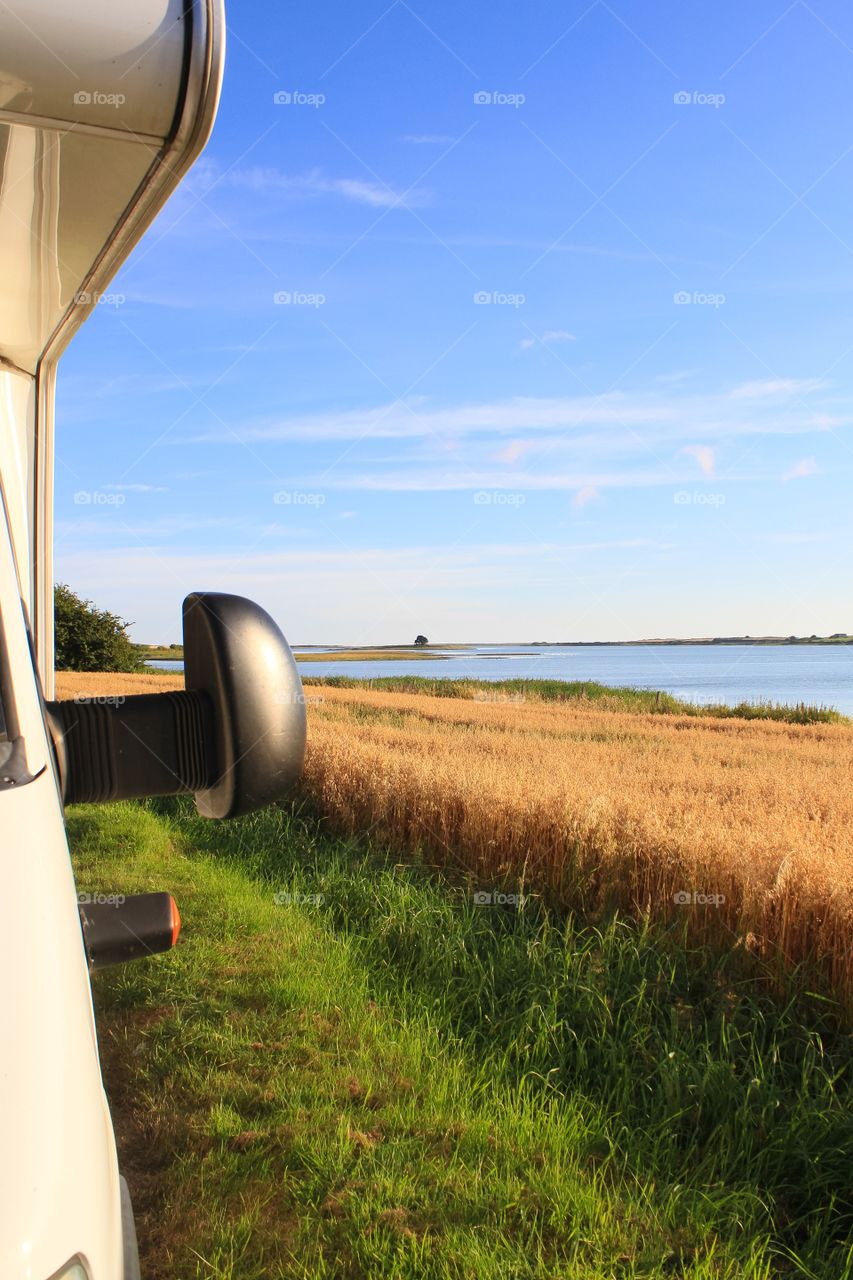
(90, 639)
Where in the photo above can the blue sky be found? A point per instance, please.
(502, 323)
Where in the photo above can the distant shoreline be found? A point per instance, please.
(837, 639)
(330, 653)
(704, 640)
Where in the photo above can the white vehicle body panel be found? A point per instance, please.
(59, 1192)
(82, 175)
(79, 183)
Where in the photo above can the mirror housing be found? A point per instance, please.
(235, 737)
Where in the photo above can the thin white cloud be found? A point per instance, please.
(548, 338)
(784, 387)
(375, 194)
(428, 139)
(115, 521)
(467, 479)
(651, 419)
(794, 539)
(537, 443)
(136, 488)
(805, 467)
(585, 495)
(677, 375)
(513, 451)
(704, 455)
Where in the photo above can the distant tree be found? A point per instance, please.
(90, 639)
(420, 641)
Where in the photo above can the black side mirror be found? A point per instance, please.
(235, 738)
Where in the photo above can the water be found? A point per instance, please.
(816, 674)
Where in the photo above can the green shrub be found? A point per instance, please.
(90, 639)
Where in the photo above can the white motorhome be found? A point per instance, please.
(104, 105)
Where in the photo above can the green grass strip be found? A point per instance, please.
(607, 697)
(348, 1068)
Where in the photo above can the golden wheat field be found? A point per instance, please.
(599, 808)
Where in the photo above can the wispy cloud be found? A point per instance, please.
(585, 495)
(136, 488)
(795, 539)
(704, 455)
(783, 387)
(549, 337)
(377, 195)
(536, 443)
(655, 420)
(428, 139)
(805, 467)
(677, 375)
(512, 452)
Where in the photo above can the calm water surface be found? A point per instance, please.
(820, 675)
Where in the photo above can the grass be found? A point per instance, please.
(173, 653)
(349, 1068)
(742, 828)
(583, 692)
(619, 697)
(599, 808)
